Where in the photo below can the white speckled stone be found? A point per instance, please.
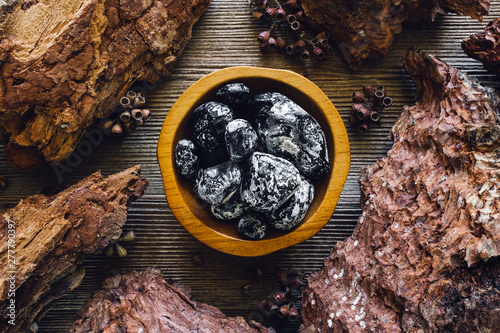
(288, 131)
(231, 209)
(252, 226)
(186, 158)
(241, 139)
(217, 184)
(292, 212)
(268, 181)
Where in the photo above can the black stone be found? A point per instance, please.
(186, 158)
(231, 209)
(236, 95)
(210, 121)
(288, 131)
(218, 183)
(292, 212)
(241, 139)
(268, 181)
(252, 226)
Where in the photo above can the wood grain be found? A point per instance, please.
(226, 36)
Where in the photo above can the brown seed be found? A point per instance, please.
(198, 260)
(3, 181)
(120, 250)
(246, 289)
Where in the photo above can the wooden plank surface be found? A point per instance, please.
(226, 36)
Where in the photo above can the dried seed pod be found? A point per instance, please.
(120, 250)
(270, 13)
(374, 116)
(246, 289)
(290, 18)
(292, 4)
(139, 101)
(283, 311)
(368, 91)
(110, 250)
(125, 116)
(131, 95)
(357, 97)
(146, 113)
(125, 102)
(290, 49)
(378, 96)
(387, 101)
(296, 26)
(293, 314)
(319, 53)
(117, 130)
(304, 55)
(264, 36)
(300, 46)
(280, 14)
(363, 113)
(363, 128)
(280, 42)
(136, 114)
(272, 43)
(259, 16)
(279, 297)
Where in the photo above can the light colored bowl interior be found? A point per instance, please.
(195, 215)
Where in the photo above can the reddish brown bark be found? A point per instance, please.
(145, 302)
(485, 46)
(425, 253)
(365, 28)
(43, 239)
(65, 64)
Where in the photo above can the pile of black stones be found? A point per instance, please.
(254, 159)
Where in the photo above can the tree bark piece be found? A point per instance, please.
(145, 302)
(485, 46)
(425, 254)
(365, 28)
(52, 235)
(64, 65)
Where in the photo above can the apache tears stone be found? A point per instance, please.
(268, 181)
(292, 212)
(231, 209)
(236, 95)
(252, 226)
(210, 121)
(218, 183)
(288, 131)
(186, 158)
(241, 139)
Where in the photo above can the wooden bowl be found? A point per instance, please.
(195, 215)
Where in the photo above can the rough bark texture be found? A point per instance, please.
(65, 64)
(145, 302)
(365, 28)
(425, 254)
(485, 46)
(53, 235)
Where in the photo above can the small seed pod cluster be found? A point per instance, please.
(367, 107)
(118, 247)
(289, 14)
(128, 116)
(287, 291)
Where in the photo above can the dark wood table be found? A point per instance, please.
(226, 36)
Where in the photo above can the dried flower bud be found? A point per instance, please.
(357, 97)
(264, 36)
(319, 53)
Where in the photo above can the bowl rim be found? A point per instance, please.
(241, 247)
